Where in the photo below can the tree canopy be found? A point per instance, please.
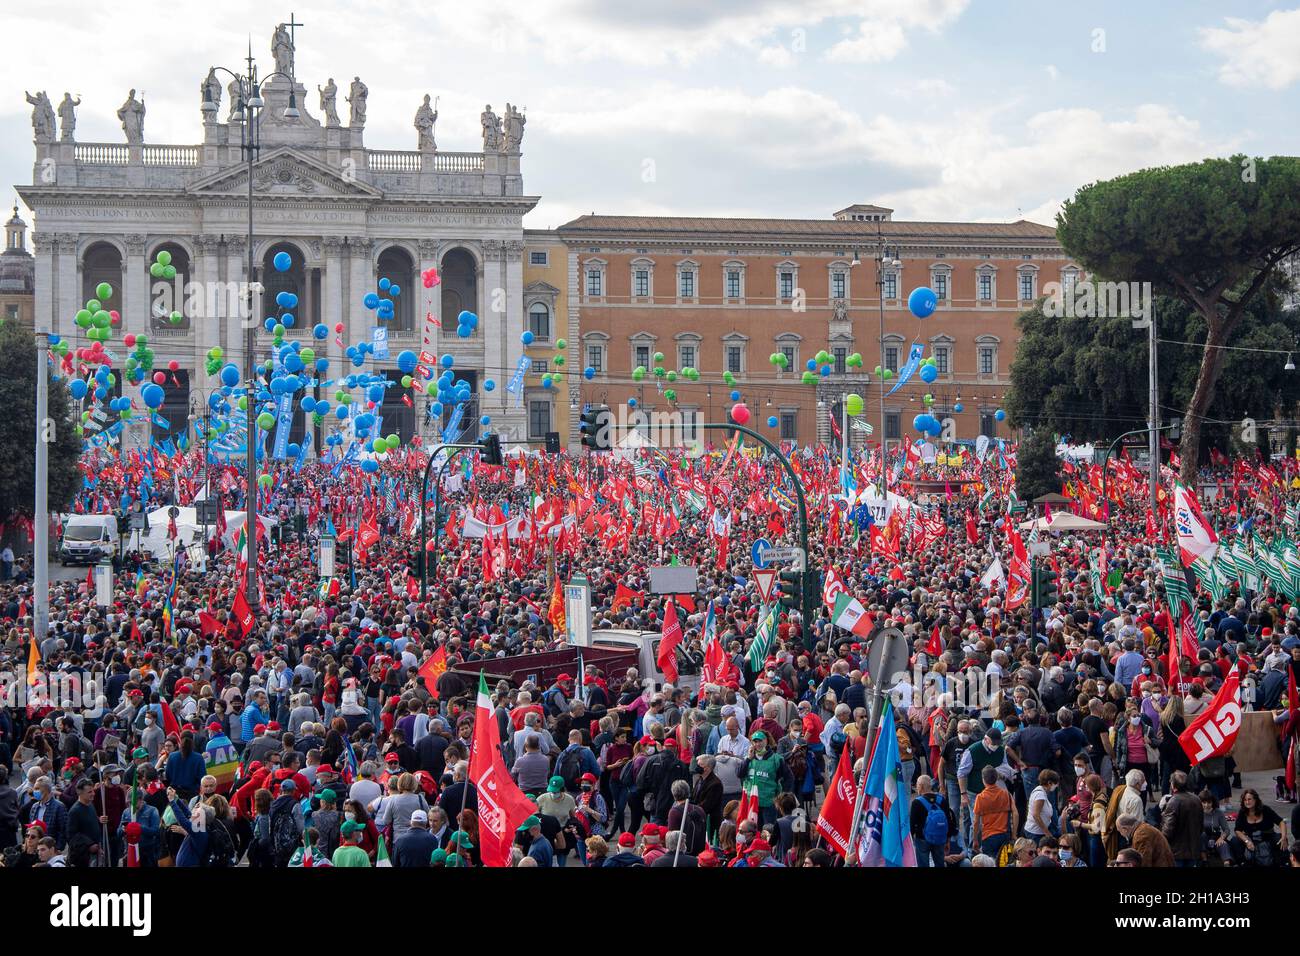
(1038, 470)
(1209, 234)
(18, 430)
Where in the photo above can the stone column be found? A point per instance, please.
(511, 348)
(43, 313)
(67, 297)
(429, 300)
(234, 306)
(205, 319)
(332, 307)
(136, 294)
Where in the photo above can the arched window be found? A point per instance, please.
(459, 286)
(168, 296)
(292, 280)
(102, 263)
(539, 321)
(397, 266)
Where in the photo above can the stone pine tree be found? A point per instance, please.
(18, 430)
(1210, 233)
(1038, 470)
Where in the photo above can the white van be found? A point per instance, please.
(88, 539)
(646, 644)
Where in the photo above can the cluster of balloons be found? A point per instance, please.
(384, 309)
(927, 424)
(466, 323)
(95, 319)
(430, 277)
(140, 361)
(929, 371)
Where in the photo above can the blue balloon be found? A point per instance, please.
(589, 373)
(369, 465)
(269, 324)
(230, 374)
(320, 330)
(384, 283)
(526, 337)
(929, 373)
(322, 364)
(282, 262)
(959, 408)
(436, 408)
(464, 331)
(370, 301)
(922, 301)
(826, 370)
(287, 320)
(294, 449)
(467, 318)
(308, 403)
(1000, 415)
(153, 395)
(771, 421)
(920, 422)
(408, 360)
(375, 393)
(394, 290)
(485, 421)
(812, 365)
(631, 403)
(322, 407)
(341, 412)
(78, 388)
(448, 360)
(489, 385)
(286, 300)
(55, 339)
(735, 395)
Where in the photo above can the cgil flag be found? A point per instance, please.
(836, 817)
(1214, 731)
(502, 806)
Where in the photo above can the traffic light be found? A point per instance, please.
(1045, 592)
(791, 585)
(595, 428)
(812, 584)
(490, 449)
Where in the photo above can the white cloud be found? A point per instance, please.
(1052, 73)
(882, 33)
(1257, 53)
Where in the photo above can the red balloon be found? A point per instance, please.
(739, 413)
(159, 378)
(174, 365)
(129, 339)
(339, 328)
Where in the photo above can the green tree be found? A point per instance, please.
(1038, 470)
(1210, 234)
(1087, 378)
(18, 430)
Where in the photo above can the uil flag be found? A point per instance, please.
(502, 806)
(1196, 539)
(432, 669)
(836, 818)
(1214, 731)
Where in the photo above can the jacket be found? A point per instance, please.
(1181, 821)
(657, 776)
(1153, 846)
(1123, 761)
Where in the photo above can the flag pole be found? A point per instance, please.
(682, 832)
(877, 700)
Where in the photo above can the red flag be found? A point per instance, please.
(748, 809)
(412, 587)
(502, 806)
(972, 530)
(90, 581)
(170, 725)
(1214, 731)
(432, 669)
(672, 636)
(208, 624)
(624, 595)
(935, 647)
(243, 613)
(555, 610)
(836, 817)
(1187, 636)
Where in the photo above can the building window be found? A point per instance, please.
(690, 424)
(595, 283)
(641, 283)
(643, 356)
(1028, 284)
(11, 311)
(596, 358)
(891, 358)
(686, 284)
(786, 284)
(734, 353)
(789, 426)
(686, 356)
(988, 424)
(1068, 278)
(893, 424)
(891, 285)
(988, 360)
(841, 360)
(839, 285)
(537, 259)
(941, 359)
(538, 367)
(539, 419)
(539, 320)
(791, 355)
(940, 283)
(986, 287)
(733, 284)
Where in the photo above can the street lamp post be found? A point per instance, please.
(40, 510)
(885, 256)
(250, 103)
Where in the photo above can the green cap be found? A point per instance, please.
(437, 857)
(461, 838)
(555, 785)
(454, 859)
(328, 796)
(529, 824)
(139, 754)
(350, 827)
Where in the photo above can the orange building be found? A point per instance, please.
(725, 294)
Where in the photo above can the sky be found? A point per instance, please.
(989, 110)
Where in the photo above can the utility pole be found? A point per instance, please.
(40, 508)
(1153, 395)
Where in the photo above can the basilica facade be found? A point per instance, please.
(347, 215)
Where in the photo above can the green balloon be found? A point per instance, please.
(659, 356)
(670, 394)
(176, 318)
(156, 270)
(308, 356)
(854, 404)
(672, 376)
(169, 272)
(431, 388)
(638, 373)
(265, 421)
(243, 403)
(406, 381)
(561, 344)
(104, 291)
(93, 305)
(659, 371)
(140, 341)
(392, 441)
(729, 378)
(559, 360)
(216, 352)
(164, 257)
(265, 480)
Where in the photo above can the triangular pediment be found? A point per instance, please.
(284, 172)
(540, 288)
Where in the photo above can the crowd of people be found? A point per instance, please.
(315, 733)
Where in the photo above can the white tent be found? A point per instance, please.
(1064, 521)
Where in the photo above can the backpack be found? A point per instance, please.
(570, 768)
(935, 831)
(221, 848)
(284, 834)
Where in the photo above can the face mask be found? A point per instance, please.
(1146, 694)
(1067, 856)
(115, 780)
(350, 815)
(1135, 720)
(964, 738)
(1146, 670)
(1079, 771)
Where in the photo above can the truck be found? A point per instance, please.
(613, 650)
(88, 539)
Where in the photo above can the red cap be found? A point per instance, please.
(626, 839)
(760, 844)
(563, 677)
(325, 768)
(671, 742)
(392, 756)
(646, 740)
(588, 778)
(273, 725)
(259, 729)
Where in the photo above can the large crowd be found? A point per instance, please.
(317, 734)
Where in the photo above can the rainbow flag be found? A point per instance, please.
(139, 583)
(222, 761)
(167, 618)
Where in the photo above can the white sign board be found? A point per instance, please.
(796, 556)
(673, 579)
(577, 611)
(104, 585)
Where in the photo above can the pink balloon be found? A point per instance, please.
(129, 339)
(339, 328)
(174, 365)
(739, 413)
(159, 378)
